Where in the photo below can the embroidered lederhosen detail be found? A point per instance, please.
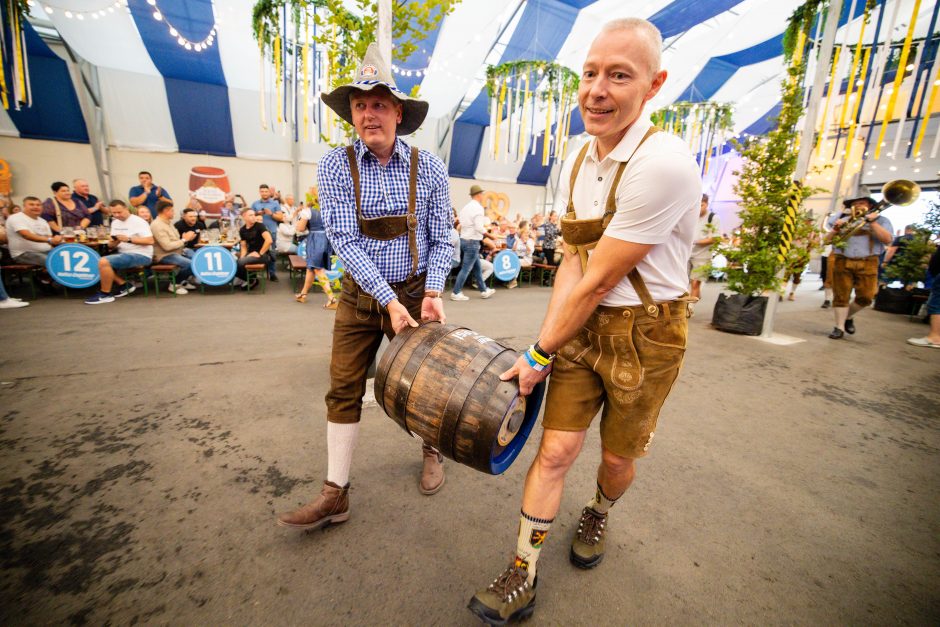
(390, 227)
(581, 236)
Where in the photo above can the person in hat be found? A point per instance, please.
(387, 211)
(472, 220)
(618, 315)
(855, 258)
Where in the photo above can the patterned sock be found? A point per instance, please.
(532, 534)
(601, 503)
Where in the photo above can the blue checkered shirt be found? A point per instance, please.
(376, 263)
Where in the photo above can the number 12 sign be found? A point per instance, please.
(214, 265)
(73, 265)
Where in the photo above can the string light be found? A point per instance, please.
(71, 13)
(174, 33)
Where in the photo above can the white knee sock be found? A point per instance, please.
(828, 293)
(854, 308)
(340, 443)
(840, 313)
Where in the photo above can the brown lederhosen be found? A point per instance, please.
(360, 320)
(624, 359)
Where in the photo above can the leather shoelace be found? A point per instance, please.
(509, 583)
(591, 527)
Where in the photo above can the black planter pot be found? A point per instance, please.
(738, 313)
(894, 300)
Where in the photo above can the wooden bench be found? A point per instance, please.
(546, 274)
(166, 271)
(257, 271)
(297, 267)
(21, 270)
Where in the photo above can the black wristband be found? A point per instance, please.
(541, 352)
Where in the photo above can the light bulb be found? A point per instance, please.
(157, 16)
(152, 3)
(68, 14)
(48, 10)
(174, 32)
(188, 46)
(181, 41)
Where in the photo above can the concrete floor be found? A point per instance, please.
(146, 445)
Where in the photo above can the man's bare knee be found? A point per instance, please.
(556, 455)
(616, 464)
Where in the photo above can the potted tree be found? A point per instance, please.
(765, 187)
(909, 267)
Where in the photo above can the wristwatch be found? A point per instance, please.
(432, 294)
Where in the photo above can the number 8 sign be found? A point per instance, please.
(73, 265)
(506, 265)
(214, 265)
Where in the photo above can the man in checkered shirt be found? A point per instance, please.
(387, 211)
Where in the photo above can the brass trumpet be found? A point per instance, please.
(900, 192)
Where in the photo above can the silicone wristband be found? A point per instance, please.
(532, 363)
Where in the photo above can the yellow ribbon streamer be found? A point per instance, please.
(277, 76)
(898, 79)
(499, 116)
(851, 85)
(548, 131)
(832, 85)
(858, 102)
(525, 110)
(926, 117)
(305, 62)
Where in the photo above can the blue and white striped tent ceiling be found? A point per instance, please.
(157, 96)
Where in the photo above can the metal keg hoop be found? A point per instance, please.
(502, 456)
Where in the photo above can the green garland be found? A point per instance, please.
(558, 76)
(719, 114)
(802, 19)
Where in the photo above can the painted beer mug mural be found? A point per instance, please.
(209, 186)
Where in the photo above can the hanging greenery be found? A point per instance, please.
(703, 125)
(327, 40)
(522, 94)
(13, 58)
(801, 20)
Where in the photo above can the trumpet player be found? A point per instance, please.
(858, 235)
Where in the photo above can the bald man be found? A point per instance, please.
(96, 208)
(617, 318)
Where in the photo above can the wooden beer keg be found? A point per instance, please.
(441, 384)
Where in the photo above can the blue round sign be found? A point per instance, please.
(214, 265)
(74, 265)
(506, 265)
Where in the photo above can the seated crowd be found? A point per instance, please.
(146, 231)
(477, 239)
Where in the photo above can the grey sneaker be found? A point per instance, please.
(587, 547)
(509, 598)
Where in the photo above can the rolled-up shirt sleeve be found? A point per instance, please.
(439, 224)
(338, 206)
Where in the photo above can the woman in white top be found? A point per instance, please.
(284, 243)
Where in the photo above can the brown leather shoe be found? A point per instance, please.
(432, 475)
(332, 506)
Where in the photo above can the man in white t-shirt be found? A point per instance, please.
(706, 234)
(133, 239)
(618, 313)
(472, 229)
(30, 238)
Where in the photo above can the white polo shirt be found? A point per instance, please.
(658, 202)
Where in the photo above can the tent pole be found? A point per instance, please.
(384, 31)
(90, 99)
(809, 127)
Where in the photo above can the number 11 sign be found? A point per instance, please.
(214, 265)
(73, 265)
